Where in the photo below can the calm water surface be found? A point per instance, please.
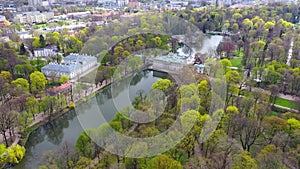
(71, 124)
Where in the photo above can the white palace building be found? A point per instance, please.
(72, 66)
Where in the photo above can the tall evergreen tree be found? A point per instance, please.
(42, 41)
(22, 49)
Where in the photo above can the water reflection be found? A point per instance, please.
(67, 127)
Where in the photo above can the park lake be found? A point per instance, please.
(67, 127)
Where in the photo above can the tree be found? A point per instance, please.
(163, 162)
(3, 157)
(162, 84)
(49, 105)
(226, 46)
(63, 79)
(21, 84)
(226, 63)
(244, 161)
(157, 41)
(247, 24)
(248, 131)
(15, 154)
(269, 25)
(8, 121)
(139, 45)
(42, 41)
(235, 28)
(270, 157)
(134, 63)
(274, 93)
(256, 49)
(37, 82)
(22, 50)
(36, 42)
(83, 162)
(273, 125)
(32, 106)
(6, 75)
(232, 78)
(84, 145)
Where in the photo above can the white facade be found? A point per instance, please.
(166, 66)
(122, 3)
(74, 65)
(34, 2)
(44, 52)
(34, 17)
(2, 18)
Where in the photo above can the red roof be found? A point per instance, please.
(61, 87)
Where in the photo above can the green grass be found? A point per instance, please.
(273, 113)
(236, 61)
(238, 53)
(90, 77)
(285, 103)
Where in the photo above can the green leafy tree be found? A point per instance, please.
(270, 157)
(15, 154)
(226, 63)
(3, 157)
(37, 81)
(162, 84)
(6, 75)
(163, 162)
(63, 79)
(245, 161)
(32, 106)
(21, 84)
(84, 145)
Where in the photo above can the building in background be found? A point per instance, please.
(47, 52)
(34, 2)
(33, 17)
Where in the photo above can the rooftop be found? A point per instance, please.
(172, 58)
(67, 68)
(71, 63)
(75, 57)
(61, 87)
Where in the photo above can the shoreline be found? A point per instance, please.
(24, 136)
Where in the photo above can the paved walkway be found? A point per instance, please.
(290, 53)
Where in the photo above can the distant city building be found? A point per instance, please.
(48, 51)
(34, 17)
(122, 3)
(134, 5)
(78, 15)
(2, 18)
(73, 66)
(34, 2)
(2, 21)
(4, 38)
(105, 16)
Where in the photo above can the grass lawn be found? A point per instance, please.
(90, 77)
(273, 113)
(238, 53)
(285, 103)
(236, 61)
